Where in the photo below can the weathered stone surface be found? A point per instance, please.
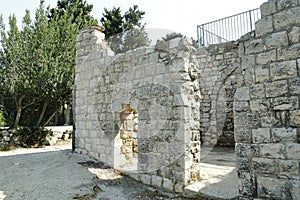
(284, 103)
(264, 25)
(263, 166)
(269, 187)
(283, 70)
(288, 168)
(295, 85)
(283, 134)
(242, 94)
(272, 150)
(268, 8)
(278, 88)
(295, 118)
(261, 74)
(261, 135)
(293, 150)
(277, 39)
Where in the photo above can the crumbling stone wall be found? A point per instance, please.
(158, 86)
(266, 107)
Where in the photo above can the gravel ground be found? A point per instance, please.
(55, 173)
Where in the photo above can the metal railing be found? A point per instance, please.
(227, 29)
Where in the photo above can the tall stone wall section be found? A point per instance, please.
(219, 70)
(266, 107)
(139, 111)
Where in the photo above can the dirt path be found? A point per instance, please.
(55, 173)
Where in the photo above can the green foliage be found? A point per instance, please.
(171, 36)
(124, 32)
(31, 136)
(37, 63)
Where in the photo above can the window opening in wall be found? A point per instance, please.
(126, 140)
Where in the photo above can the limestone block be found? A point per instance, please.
(295, 85)
(283, 70)
(277, 39)
(261, 74)
(241, 106)
(242, 163)
(286, 17)
(261, 135)
(178, 187)
(246, 183)
(294, 35)
(294, 118)
(157, 181)
(267, 8)
(288, 168)
(283, 134)
(242, 134)
(264, 26)
(269, 119)
(257, 91)
(293, 150)
(255, 46)
(168, 184)
(274, 188)
(272, 150)
(263, 165)
(146, 179)
(284, 4)
(277, 88)
(242, 94)
(288, 52)
(246, 150)
(259, 105)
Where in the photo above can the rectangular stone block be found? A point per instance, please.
(276, 40)
(269, 187)
(255, 46)
(257, 91)
(285, 103)
(283, 134)
(283, 70)
(295, 85)
(268, 8)
(277, 88)
(259, 105)
(272, 150)
(246, 183)
(294, 35)
(293, 151)
(286, 17)
(168, 184)
(146, 179)
(157, 181)
(263, 165)
(261, 74)
(261, 135)
(294, 118)
(242, 94)
(246, 150)
(289, 52)
(288, 168)
(264, 26)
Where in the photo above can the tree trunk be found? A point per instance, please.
(42, 114)
(19, 111)
(68, 112)
(50, 118)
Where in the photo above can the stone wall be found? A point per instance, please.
(139, 111)
(250, 92)
(266, 107)
(219, 69)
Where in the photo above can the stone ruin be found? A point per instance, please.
(142, 113)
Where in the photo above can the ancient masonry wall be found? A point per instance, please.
(219, 71)
(266, 107)
(139, 111)
(142, 113)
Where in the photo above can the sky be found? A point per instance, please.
(161, 16)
